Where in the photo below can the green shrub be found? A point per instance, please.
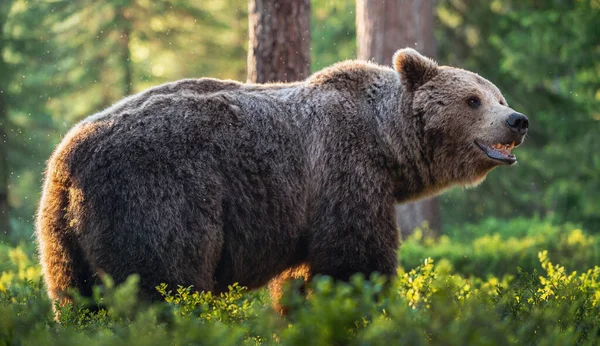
(498, 248)
(432, 303)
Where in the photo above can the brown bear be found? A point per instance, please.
(206, 182)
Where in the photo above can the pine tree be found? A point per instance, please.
(382, 28)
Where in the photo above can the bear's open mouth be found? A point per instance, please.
(499, 152)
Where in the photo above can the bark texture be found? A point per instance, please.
(4, 206)
(383, 27)
(279, 44)
(279, 51)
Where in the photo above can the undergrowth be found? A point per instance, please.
(430, 304)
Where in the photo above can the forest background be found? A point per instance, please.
(484, 275)
(64, 60)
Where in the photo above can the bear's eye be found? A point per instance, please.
(474, 102)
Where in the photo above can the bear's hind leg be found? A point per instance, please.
(277, 284)
(64, 265)
(183, 258)
(163, 223)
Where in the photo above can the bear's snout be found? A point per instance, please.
(518, 122)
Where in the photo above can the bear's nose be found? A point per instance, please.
(518, 122)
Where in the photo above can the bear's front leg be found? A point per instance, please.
(354, 238)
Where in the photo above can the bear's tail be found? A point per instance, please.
(63, 262)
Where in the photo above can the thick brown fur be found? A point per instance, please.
(207, 182)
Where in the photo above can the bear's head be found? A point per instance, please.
(468, 127)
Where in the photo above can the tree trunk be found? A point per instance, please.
(382, 28)
(4, 72)
(412, 215)
(4, 207)
(279, 51)
(279, 45)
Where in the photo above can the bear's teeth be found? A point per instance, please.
(503, 148)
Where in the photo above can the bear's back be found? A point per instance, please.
(162, 162)
(133, 103)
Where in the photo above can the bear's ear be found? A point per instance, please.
(414, 68)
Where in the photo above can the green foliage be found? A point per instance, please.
(544, 56)
(496, 248)
(493, 281)
(333, 32)
(430, 304)
(61, 61)
(227, 307)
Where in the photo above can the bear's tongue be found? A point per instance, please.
(500, 152)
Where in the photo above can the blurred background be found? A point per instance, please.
(64, 60)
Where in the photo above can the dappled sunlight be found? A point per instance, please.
(514, 261)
